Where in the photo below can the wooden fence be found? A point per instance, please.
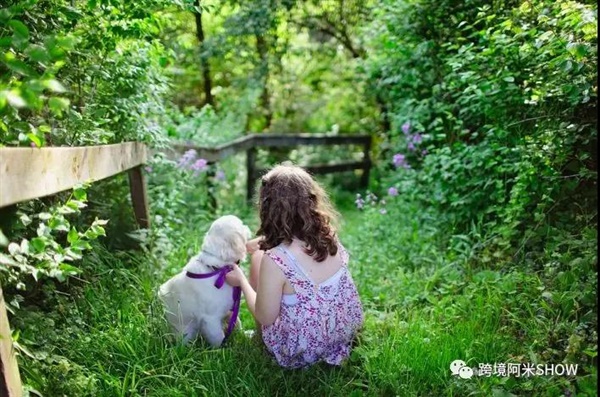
(250, 144)
(28, 173)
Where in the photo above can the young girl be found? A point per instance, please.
(300, 290)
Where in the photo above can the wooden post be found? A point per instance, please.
(364, 180)
(251, 172)
(210, 187)
(139, 198)
(10, 380)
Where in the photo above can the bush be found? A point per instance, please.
(496, 108)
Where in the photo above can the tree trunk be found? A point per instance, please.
(265, 98)
(205, 65)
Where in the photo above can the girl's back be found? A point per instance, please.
(320, 309)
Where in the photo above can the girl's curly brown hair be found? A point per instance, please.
(292, 204)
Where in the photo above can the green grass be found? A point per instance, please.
(424, 308)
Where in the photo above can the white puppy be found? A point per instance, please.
(195, 304)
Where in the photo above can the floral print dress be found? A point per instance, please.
(319, 321)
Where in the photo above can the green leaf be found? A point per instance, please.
(100, 222)
(66, 42)
(62, 227)
(37, 53)
(5, 42)
(15, 99)
(25, 246)
(73, 236)
(21, 31)
(44, 216)
(14, 249)
(5, 14)
(80, 194)
(76, 204)
(25, 219)
(68, 269)
(42, 230)
(64, 210)
(72, 255)
(7, 260)
(54, 85)
(35, 139)
(590, 352)
(38, 244)
(3, 239)
(20, 67)
(57, 105)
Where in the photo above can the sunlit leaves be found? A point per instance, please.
(21, 33)
(46, 254)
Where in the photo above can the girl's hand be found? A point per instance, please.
(235, 277)
(252, 245)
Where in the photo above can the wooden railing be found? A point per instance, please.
(250, 144)
(28, 173)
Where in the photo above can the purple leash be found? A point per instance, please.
(237, 293)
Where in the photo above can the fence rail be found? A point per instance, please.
(250, 143)
(28, 173)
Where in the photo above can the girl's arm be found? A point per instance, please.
(250, 295)
(264, 304)
(270, 290)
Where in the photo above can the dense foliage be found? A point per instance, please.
(505, 97)
(476, 241)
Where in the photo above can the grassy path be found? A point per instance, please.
(424, 310)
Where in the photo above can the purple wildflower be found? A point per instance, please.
(199, 166)
(393, 191)
(220, 175)
(411, 146)
(424, 152)
(406, 128)
(360, 203)
(399, 160)
(417, 138)
(187, 158)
